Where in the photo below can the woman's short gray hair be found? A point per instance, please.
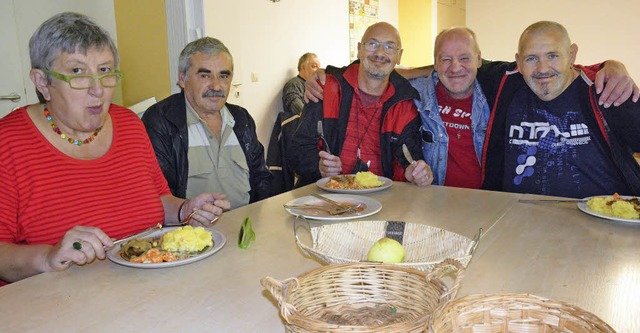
(207, 45)
(69, 33)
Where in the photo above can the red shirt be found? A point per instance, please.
(393, 122)
(463, 167)
(363, 131)
(46, 193)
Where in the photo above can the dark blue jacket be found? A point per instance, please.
(616, 127)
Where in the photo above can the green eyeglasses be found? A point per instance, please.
(246, 234)
(84, 81)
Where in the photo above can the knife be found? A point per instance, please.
(407, 154)
(475, 241)
(140, 234)
(325, 145)
(331, 202)
(550, 200)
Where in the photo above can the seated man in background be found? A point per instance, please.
(293, 91)
(547, 134)
(453, 110)
(287, 123)
(366, 116)
(202, 142)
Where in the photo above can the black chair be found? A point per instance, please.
(283, 130)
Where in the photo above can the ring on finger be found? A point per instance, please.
(77, 245)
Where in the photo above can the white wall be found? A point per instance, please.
(29, 14)
(601, 29)
(267, 38)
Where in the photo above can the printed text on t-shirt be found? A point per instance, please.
(578, 134)
(456, 113)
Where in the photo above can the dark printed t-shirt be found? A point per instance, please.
(550, 150)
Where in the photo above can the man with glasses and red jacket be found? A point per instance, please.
(365, 118)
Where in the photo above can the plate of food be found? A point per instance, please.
(613, 207)
(168, 247)
(361, 182)
(312, 207)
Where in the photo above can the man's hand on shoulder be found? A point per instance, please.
(313, 90)
(615, 85)
(415, 72)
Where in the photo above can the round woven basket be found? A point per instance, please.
(364, 297)
(349, 242)
(513, 313)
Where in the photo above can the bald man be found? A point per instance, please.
(548, 135)
(453, 110)
(367, 115)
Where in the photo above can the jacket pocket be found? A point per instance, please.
(239, 160)
(238, 170)
(200, 165)
(427, 135)
(430, 148)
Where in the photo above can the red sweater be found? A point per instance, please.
(45, 192)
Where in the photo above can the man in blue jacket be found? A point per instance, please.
(453, 110)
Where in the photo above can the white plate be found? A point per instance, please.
(371, 206)
(218, 242)
(583, 207)
(387, 183)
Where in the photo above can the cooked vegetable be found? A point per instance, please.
(181, 243)
(136, 247)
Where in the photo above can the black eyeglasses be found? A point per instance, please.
(246, 234)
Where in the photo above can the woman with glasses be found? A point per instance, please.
(76, 171)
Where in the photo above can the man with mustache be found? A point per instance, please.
(201, 141)
(547, 134)
(367, 115)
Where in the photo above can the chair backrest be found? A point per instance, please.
(140, 107)
(283, 130)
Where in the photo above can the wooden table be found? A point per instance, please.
(553, 251)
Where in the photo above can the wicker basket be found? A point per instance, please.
(346, 297)
(514, 313)
(349, 242)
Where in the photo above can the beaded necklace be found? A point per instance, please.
(71, 140)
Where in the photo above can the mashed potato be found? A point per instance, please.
(610, 206)
(186, 239)
(367, 179)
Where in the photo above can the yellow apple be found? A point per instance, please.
(386, 250)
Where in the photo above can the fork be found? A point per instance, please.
(331, 211)
(342, 207)
(334, 203)
(188, 218)
(146, 232)
(320, 131)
